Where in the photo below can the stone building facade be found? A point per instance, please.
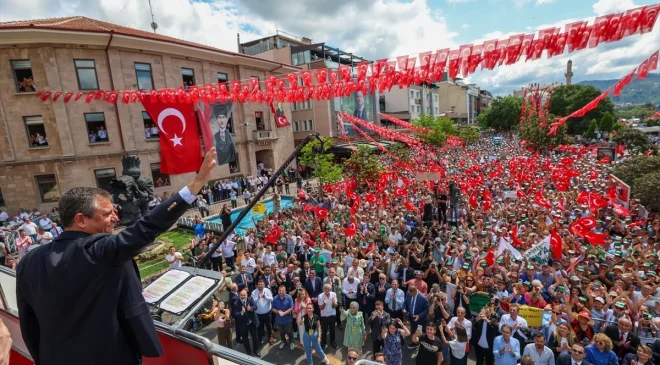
(46, 148)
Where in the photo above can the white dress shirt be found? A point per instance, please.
(263, 304)
(347, 286)
(328, 310)
(466, 324)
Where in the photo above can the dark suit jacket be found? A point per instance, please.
(243, 318)
(655, 346)
(377, 325)
(80, 298)
(421, 306)
(409, 274)
(318, 287)
(381, 295)
(477, 330)
(370, 293)
(362, 115)
(565, 359)
(224, 149)
(612, 331)
(242, 284)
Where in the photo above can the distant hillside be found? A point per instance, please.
(637, 92)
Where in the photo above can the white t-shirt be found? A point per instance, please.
(328, 310)
(4, 217)
(177, 263)
(29, 228)
(47, 238)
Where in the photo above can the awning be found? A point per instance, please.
(297, 49)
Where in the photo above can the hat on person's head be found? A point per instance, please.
(335, 261)
(650, 273)
(575, 278)
(613, 294)
(466, 266)
(530, 267)
(618, 267)
(500, 260)
(586, 315)
(600, 300)
(580, 268)
(620, 305)
(317, 249)
(560, 289)
(362, 263)
(484, 264)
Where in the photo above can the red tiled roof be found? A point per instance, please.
(84, 24)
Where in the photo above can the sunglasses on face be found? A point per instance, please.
(352, 358)
(600, 342)
(579, 352)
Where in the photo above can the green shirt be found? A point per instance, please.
(318, 263)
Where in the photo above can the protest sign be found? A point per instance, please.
(478, 301)
(539, 253)
(533, 316)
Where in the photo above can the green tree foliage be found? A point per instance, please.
(617, 126)
(502, 115)
(469, 134)
(537, 135)
(640, 112)
(401, 151)
(440, 128)
(633, 168)
(363, 165)
(653, 123)
(565, 100)
(321, 163)
(634, 140)
(591, 131)
(646, 190)
(606, 123)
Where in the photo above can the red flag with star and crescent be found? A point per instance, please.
(180, 150)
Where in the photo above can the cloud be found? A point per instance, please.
(542, 2)
(465, 26)
(603, 7)
(458, 1)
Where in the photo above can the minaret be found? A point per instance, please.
(569, 72)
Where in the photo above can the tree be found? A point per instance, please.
(653, 123)
(469, 134)
(633, 168)
(606, 123)
(635, 112)
(320, 162)
(564, 100)
(401, 151)
(440, 128)
(634, 140)
(591, 132)
(363, 165)
(537, 134)
(646, 190)
(502, 115)
(617, 126)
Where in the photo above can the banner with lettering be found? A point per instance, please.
(539, 253)
(478, 301)
(533, 316)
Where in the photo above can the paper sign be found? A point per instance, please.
(259, 208)
(163, 285)
(187, 294)
(533, 316)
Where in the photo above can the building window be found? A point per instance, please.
(103, 178)
(150, 129)
(2, 199)
(158, 177)
(308, 125)
(259, 119)
(428, 110)
(36, 132)
(435, 97)
(234, 167)
(86, 72)
(412, 109)
(294, 106)
(96, 127)
(412, 94)
(296, 127)
(23, 76)
(145, 79)
(436, 110)
(306, 104)
(188, 76)
(419, 109)
(48, 189)
(222, 77)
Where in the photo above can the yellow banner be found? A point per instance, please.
(259, 208)
(533, 316)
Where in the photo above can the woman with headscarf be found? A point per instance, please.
(355, 331)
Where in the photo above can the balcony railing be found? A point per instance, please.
(264, 135)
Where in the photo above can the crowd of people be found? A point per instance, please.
(25, 230)
(393, 264)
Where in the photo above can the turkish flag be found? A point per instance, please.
(587, 222)
(649, 16)
(556, 245)
(574, 31)
(490, 256)
(180, 150)
(643, 70)
(631, 21)
(473, 199)
(600, 30)
(596, 238)
(653, 62)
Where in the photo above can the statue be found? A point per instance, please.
(131, 191)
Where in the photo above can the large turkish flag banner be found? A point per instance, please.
(180, 150)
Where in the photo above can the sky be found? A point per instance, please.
(376, 29)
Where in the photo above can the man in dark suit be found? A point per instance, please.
(222, 139)
(623, 340)
(381, 287)
(484, 329)
(233, 297)
(80, 298)
(314, 287)
(360, 110)
(243, 311)
(378, 319)
(417, 307)
(244, 280)
(366, 297)
(575, 357)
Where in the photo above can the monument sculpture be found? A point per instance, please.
(131, 191)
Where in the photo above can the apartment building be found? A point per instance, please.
(49, 147)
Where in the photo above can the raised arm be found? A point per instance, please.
(116, 249)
